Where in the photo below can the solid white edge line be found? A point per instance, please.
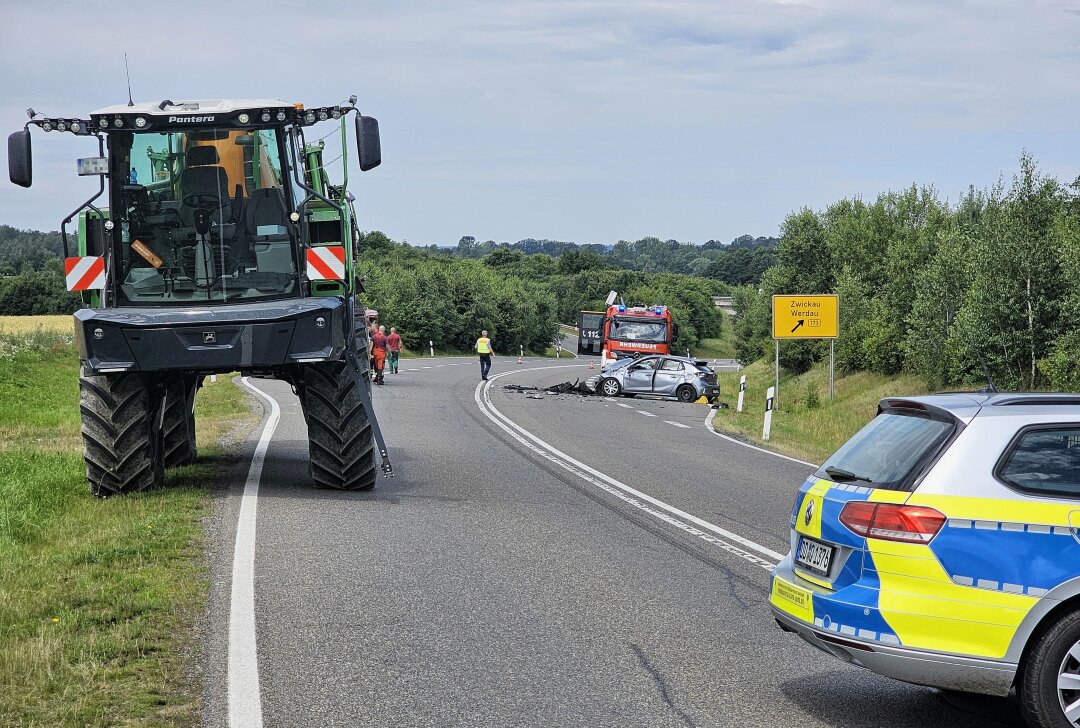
(570, 463)
(709, 427)
(245, 701)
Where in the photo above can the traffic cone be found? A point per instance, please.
(592, 366)
(520, 360)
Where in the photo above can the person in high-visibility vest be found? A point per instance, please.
(485, 350)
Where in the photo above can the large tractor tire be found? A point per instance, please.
(121, 437)
(178, 422)
(340, 443)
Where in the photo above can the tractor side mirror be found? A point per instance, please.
(20, 161)
(367, 142)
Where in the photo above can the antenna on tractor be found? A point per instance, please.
(128, 72)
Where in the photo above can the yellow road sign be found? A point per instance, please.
(806, 317)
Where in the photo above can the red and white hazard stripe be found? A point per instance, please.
(326, 263)
(84, 273)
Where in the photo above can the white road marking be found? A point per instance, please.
(709, 427)
(653, 506)
(245, 702)
(677, 424)
(624, 404)
(647, 414)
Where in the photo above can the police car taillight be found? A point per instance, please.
(892, 522)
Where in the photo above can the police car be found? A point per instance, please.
(941, 546)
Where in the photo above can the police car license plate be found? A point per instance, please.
(814, 556)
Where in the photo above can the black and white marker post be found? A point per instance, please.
(742, 391)
(768, 414)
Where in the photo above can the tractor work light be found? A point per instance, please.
(281, 116)
(118, 122)
(323, 116)
(140, 122)
(336, 114)
(309, 117)
(46, 125)
(76, 127)
(61, 125)
(244, 117)
(265, 116)
(103, 123)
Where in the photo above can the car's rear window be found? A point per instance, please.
(888, 451)
(1045, 461)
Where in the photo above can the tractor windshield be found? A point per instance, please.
(200, 216)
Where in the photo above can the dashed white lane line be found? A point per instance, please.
(709, 427)
(677, 424)
(643, 412)
(721, 537)
(245, 701)
(624, 404)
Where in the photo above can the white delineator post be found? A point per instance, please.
(431, 347)
(768, 413)
(742, 391)
(521, 350)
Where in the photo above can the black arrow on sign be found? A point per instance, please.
(801, 322)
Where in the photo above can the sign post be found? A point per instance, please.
(431, 347)
(806, 317)
(742, 391)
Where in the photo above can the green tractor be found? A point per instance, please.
(221, 246)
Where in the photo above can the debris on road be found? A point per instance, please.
(574, 387)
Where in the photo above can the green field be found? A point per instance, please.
(98, 599)
(806, 424)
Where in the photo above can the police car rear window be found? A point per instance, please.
(889, 451)
(1044, 461)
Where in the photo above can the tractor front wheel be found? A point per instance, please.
(121, 438)
(340, 444)
(178, 422)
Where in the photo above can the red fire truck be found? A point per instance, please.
(634, 331)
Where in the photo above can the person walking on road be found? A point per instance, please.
(393, 350)
(378, 352)
(485, 350)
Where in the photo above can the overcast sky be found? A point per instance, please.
(583, 120)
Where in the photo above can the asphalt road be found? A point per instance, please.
(492, 583)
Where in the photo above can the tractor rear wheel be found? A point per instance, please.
(340, 444)
(178, 422)
(121, 437)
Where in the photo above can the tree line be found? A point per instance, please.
(739, 262)
(936, 288)
(519, 298)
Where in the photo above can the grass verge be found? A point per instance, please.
(98, 599)
(806, 425)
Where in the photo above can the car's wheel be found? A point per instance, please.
(686, 393)
(610, 387)
(1050, 684)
